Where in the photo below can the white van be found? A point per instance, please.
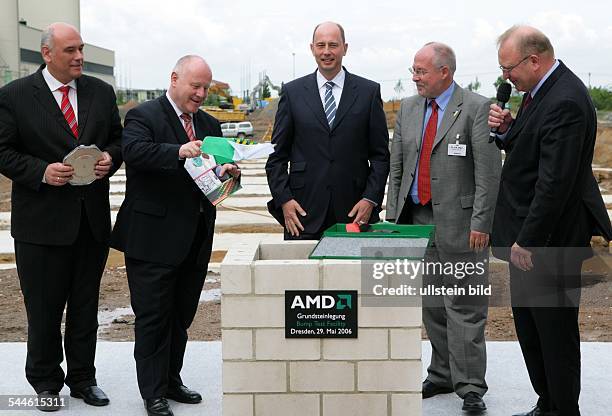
(240, 130)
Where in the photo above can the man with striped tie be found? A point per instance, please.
(330, 130)
(61, 230)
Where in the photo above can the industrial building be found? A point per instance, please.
(21, 25)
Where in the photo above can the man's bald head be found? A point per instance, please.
(61, 47)
(326, 25)
(189, 83)
(528, 40)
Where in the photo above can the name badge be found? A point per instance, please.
(455, 149)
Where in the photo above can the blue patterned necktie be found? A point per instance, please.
(330, 103)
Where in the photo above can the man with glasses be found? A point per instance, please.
(444, 172)
(548, 198)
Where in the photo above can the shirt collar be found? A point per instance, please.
(175, 107)
(338, 80)
(535, 89)
(53, 83)
(443, 99)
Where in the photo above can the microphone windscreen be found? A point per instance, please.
(503, 92)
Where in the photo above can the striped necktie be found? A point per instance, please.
(188, 126)
(68, 111)
(330, 103)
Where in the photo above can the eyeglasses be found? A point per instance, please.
(421, 72)
(508, 69)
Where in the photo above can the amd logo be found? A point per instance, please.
(322, 302)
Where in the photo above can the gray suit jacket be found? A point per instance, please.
(463, 188)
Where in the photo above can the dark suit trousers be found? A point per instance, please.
(165, 300)
(53, 278)
(550, 343)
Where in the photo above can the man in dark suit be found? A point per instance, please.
(165, 228)
(61, 231)
(548, 207)
(330, 129)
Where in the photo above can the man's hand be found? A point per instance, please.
(521, 258)
(478, 241)
(191, 149)
(103, 166)
(362, 211)
(500, 119)
(58, 174)
(291, 209)
(229, 168)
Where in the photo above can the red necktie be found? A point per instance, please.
(424, 185)
(527, 100)
(68, 111)
(188, 126)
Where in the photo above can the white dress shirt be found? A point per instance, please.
(55, 85)
(338, 81)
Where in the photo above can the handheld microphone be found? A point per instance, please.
(503, 95)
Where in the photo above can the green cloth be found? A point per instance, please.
(219, 147)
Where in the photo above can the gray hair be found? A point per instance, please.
(184, 60)
(46, 37)
(443, 56)
(529, 40)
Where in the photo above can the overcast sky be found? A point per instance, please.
(240, 37)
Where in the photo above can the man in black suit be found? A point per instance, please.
(61, 231)
(548, 207)
(330, 129)
(165, 228)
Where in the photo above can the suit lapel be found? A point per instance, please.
(524, 116)
(84, 97)
(349, 95)
(173, 121)
(313, 99)
(453, 108)
(420, 117)
(44, 96)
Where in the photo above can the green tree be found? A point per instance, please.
(602, 98)
(212, 100)
(265, 93)
(474, 86)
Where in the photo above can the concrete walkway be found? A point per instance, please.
(509, 388)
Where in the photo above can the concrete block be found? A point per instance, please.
(254, 377)
(276, 276)
(250, 311)
(287, 404)
(406, 344)
(389, 376)
(372, 344)
(288, 250)
(237, 344)
(321, 376)
(382, 316)
(406, 404)
(236, 277)
(271, 344)
(237, 405)
(342, 275)
(355, 405)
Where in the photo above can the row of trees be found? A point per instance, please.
(601, 96)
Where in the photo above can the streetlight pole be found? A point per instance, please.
(293, 53)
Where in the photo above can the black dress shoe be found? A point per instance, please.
(431, 389)
(158, 406)
(182, 394)
(92, 395)
(473, 403)
(48, 401)
(536, 411)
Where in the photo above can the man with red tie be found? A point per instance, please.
(61, 231)
(165, 228)
(444, 172)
